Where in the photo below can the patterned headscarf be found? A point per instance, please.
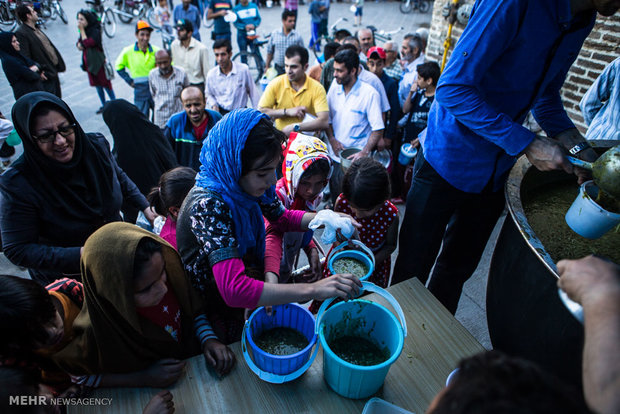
(220, 171)
(301, 152)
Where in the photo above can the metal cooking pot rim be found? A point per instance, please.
(517, 213)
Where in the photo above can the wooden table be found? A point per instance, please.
(434, 345)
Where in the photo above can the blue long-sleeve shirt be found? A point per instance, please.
(601, 104)
(192, 14)
(246, 15)
(512, 57)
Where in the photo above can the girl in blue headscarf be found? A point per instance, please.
(220, 228)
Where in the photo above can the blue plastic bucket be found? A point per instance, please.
(587, 218)
(278, 369)
(407, 152)
(360, 318)
(365, 256)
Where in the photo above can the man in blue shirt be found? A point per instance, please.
(217, 10)
(188, 12)
(513, 57)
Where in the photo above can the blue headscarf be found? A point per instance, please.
(220, 171)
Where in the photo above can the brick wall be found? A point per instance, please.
(600, 48)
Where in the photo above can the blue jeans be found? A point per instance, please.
(438, 212)
(243, 43)
(217, 36)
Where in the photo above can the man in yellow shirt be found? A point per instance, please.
(289, 98)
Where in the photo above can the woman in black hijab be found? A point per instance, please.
(93, 58)
(22, 73)
(64, 187)
(140, 148)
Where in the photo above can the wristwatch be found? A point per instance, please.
(578, 148)
(296, 128)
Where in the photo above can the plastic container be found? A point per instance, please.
(407, 153)
(587, 218)
(360, 318)
(378, 406)
(275, 368)
(365, 256)
(13, 139)
(263, 82)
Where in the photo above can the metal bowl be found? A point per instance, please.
(345, 163)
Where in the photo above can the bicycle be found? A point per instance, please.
(407, 6)
(8, 22)
(56, 10)
(254, 59)
(328, 38)
(383, 36)
(127, 10)
(106, 16)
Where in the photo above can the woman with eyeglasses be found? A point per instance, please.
(64, 187)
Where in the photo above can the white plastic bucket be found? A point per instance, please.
(587, 218)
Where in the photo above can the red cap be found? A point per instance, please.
(378, 50)
(143, 25)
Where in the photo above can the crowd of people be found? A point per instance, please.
(227, 178)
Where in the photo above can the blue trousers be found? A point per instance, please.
(243, 42)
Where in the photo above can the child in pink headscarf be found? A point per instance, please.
(306, 171)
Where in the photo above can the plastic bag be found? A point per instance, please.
(332, 222)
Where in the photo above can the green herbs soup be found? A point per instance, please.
(350, 265)
(358, 351)
(281, 341)
(545, 208)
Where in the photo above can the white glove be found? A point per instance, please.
(331, 221)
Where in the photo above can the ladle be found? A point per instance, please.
(605, 170)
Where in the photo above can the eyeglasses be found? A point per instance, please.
(48, 137)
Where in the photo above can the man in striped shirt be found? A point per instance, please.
(166, 83)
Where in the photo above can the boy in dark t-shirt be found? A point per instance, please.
(419, 101)
(221, 27)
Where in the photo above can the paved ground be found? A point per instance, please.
(84, 102)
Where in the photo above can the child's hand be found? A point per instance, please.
(415, 142)
(163, 373)
(315, 267)
(345, 286)
(161, 403)
(219, 356)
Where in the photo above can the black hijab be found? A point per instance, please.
(140, 147)
(80, 187)
(6, 48)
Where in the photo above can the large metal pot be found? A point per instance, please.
(524, 313)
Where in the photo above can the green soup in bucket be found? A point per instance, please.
(371, 321)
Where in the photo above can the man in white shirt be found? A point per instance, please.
(355, 115)
(190, 55)
(367, 76)
(412, 52)
(229, 84)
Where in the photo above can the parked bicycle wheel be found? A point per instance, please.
(61, 13)
(406, 6)
(108, 21)
(152, 19)
(254, 62)
(424, 6)
(127, 10)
